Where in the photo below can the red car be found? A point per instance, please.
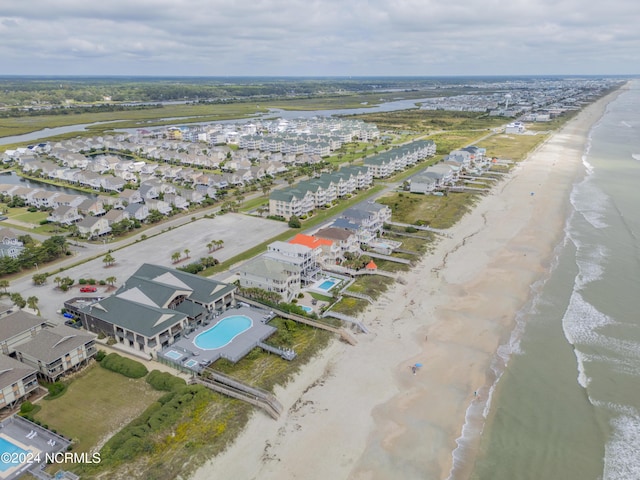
(88, 289)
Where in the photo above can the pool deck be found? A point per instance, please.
(241, 345)
(324, 291)
(15, 430)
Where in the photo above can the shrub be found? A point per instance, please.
(26, 407)
(82, 281)
(164, 381)
(56, 389)
(100, 354)
(411, 229)
(124, 366)
(137, 437)
(294, 222)
(193, 268)
(91, 281)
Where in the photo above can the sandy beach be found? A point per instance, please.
(359, 412)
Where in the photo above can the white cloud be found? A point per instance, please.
(331, 37)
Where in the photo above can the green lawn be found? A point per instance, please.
(431, 120)
(437, 212)
(445, 142)
(96, 405)
(513, 147)
(23, 215)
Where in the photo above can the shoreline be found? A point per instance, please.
(359, 412)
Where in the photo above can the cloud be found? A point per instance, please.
(329, 37)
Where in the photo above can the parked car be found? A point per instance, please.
(88, 289)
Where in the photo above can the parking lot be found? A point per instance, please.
(238, 232)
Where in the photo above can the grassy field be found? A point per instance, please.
(18, 218)
(445, 142)
(351, 100)
(96, 405)
(418, 245)
(514, 147)
(372, 285)
(431, 120)
(350, 306)
(389, 266)
(437, 212)
(21, 214)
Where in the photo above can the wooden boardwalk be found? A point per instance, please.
(231, 387)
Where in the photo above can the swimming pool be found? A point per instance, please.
(191, 363)
(173, 355)
(7, 447)
(328, 284)
(223, 332)
(306, 309)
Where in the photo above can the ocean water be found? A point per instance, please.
(567, 405)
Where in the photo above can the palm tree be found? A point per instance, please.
(111, 280)
(108, 260)
(4, 284)
(18, 300)
(187, 252)
(175, 256)
(210, 246)
(57, 281)
(40, 278)
(32, 303)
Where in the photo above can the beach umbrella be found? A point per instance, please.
(418, 365)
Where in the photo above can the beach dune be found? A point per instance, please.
(359, 411)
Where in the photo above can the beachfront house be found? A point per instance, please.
(442, 174)
(342, 241)
(271, 275)
(366, 219)
(300, 256)
(422, 184)
(154, 306)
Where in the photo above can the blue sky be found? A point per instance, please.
(329, 37)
